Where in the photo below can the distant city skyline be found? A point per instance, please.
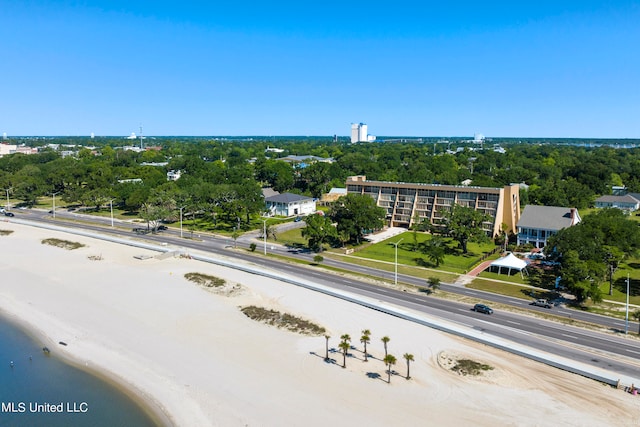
(502, 69)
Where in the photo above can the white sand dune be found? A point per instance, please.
(195, 355)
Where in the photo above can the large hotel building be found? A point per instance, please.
(407, 202)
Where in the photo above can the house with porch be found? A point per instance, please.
(629, 202)
(289, 204)
(538, 223)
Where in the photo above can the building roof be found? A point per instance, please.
(338, 190)
(269, 192)
(510, 261)
(548, 217)
(287, 198)
(305, 159)
(617, 199)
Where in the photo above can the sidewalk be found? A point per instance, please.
(465, 279)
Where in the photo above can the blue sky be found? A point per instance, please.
(410, 68)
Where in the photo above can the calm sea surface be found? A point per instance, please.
(85, 400)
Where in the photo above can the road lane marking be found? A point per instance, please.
(632, 351)
(515, 323)
(569, 336)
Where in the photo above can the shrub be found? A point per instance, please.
(205, 280)
(65, 244)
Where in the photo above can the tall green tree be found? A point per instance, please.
(389, 360)
(409, 358)
(385, 340)
(326, 347)
(465, 224)
(591, 251)
(345, 346)
(355, 214)
(365, 339)
(318, 230)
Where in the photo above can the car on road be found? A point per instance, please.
(9, 214)
(541, 303)
(162, 227)
(481, 308)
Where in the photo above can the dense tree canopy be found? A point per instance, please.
(591, 251)
(221, 178)
(356, 214)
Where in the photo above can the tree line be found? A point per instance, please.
(221, 180)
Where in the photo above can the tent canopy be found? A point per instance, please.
(510, 262)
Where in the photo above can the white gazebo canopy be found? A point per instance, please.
(510, 262)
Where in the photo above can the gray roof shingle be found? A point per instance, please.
(287, 198)
(546, 217)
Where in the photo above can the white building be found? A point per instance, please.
(538, 223)
(173, 175)
(358, 132)
(289, 204)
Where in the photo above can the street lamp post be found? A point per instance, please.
(7, 190)
(626, 317)
(181, 207)
(264, 234)
(396, 271)
(53, 210)
(111, 207)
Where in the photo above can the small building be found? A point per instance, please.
(629, 202)
(130, 181)
(173, 175)
(289, 204)
(538, 223)
(510, 263)
(304, 161)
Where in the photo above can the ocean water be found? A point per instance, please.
(38, 384)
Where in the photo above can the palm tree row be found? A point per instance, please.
(389, 359)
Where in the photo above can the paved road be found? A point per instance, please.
(613, 352)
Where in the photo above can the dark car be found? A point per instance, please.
(162, 227)
(481, 308)
(9, 214)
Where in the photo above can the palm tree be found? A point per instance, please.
(385, 340)
(344, 345)
(346, 337)
(434, 283)
(365, 339)
(389, 360)
(326, 351)
(409, 358)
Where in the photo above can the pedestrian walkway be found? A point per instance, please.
(384, 234)
(465, 279)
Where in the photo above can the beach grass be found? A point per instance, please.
(283, 320)
(65, 244)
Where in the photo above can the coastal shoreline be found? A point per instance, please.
(146, 403)
(191, 352)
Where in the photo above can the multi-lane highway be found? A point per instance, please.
(611, 351)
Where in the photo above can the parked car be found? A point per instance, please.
(542, 303)
(481, 308)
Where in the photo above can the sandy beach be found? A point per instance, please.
(191, 352)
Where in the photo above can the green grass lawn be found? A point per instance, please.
(454, 261)
(514, 278)
(290, 237)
